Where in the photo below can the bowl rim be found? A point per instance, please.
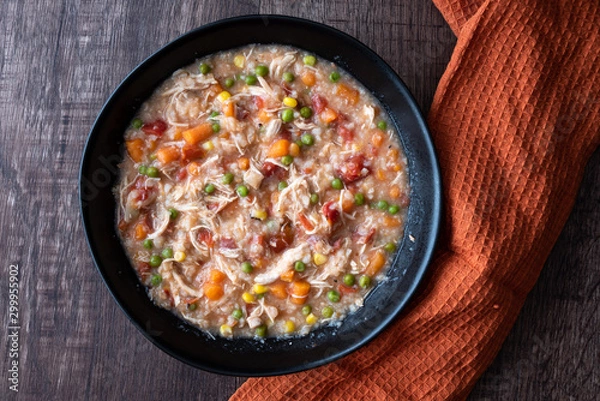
(436, 210)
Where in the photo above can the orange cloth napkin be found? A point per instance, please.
(515, 118)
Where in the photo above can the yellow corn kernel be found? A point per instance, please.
(223, 96)
(319, 258)
(290, 102)
(239, 61)
(289, 326)
(226, 330)
(260, 214)
(248, 298)
(259, 289)
(179, 256)
(294, 149)
(356, 147)
(208, 145)
(311, 319)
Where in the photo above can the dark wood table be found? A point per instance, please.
(59, 62)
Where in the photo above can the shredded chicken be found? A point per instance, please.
(282, 264)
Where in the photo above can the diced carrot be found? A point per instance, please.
(393, 153)
(193, 168)
(134, 148)
(168, 154)
(308, 78)
(151, 144)
(279, 289)
(229, 109)
(377, 138)
(328, 115)
(141, 231)
(306, 223)
(197, 134)
(279, 148)
(215, 89)
(396, 167)
(216, 276)
(294, 149)
(389, 221)
(377, 260)
(299, 300)
(380, 174)
(213, 291)
(244, 163)
(348, 93)
(300, 288)
(347, 203)
(395, 191)
(288, 276)
(177, 135)
(263, 116)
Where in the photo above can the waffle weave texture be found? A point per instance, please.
(514, 120)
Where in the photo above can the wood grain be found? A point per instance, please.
(59, 62)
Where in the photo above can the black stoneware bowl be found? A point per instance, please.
(249, 357)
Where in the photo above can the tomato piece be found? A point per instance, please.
(227, 243)
(319, 103)
(269, 169)
(345, 134)
(344, 289)
(191, 152)
(306, 223)
(157, 127)
(363, 237)
(331, 212)
(259, 102)
(353, 168)
(205, 236)
(143, 269)
(181, 174)
(282, 240)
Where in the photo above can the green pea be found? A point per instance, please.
(242, 190)
(393, 209)
(336, 183)
(299, 266)
(251, 80)
(390, 247)
(314, 198)
(364, 281)
(349, 280)
(382, 205)
(306, 112)
(237, 314)
(382, 125)
(282, 185)
(209, 188)
(143, 170)
(148, 244)
(173, 213)
(155, 260)
(192, 307)
(152, 172)
(137, 123)
(155, 280)
(309, 59)
(229, 82)
(333, 296)
(216, 127)
(359, 199)
(307, 139)
(287, 160)
(262, 70)
(247, 267)
(287, 115)
(204, 68)
(288, 77)
(334, 76)
(306, 309)
(167, 253)
(227, 178)
(261, 331)
(213, 114)
(327, 312)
